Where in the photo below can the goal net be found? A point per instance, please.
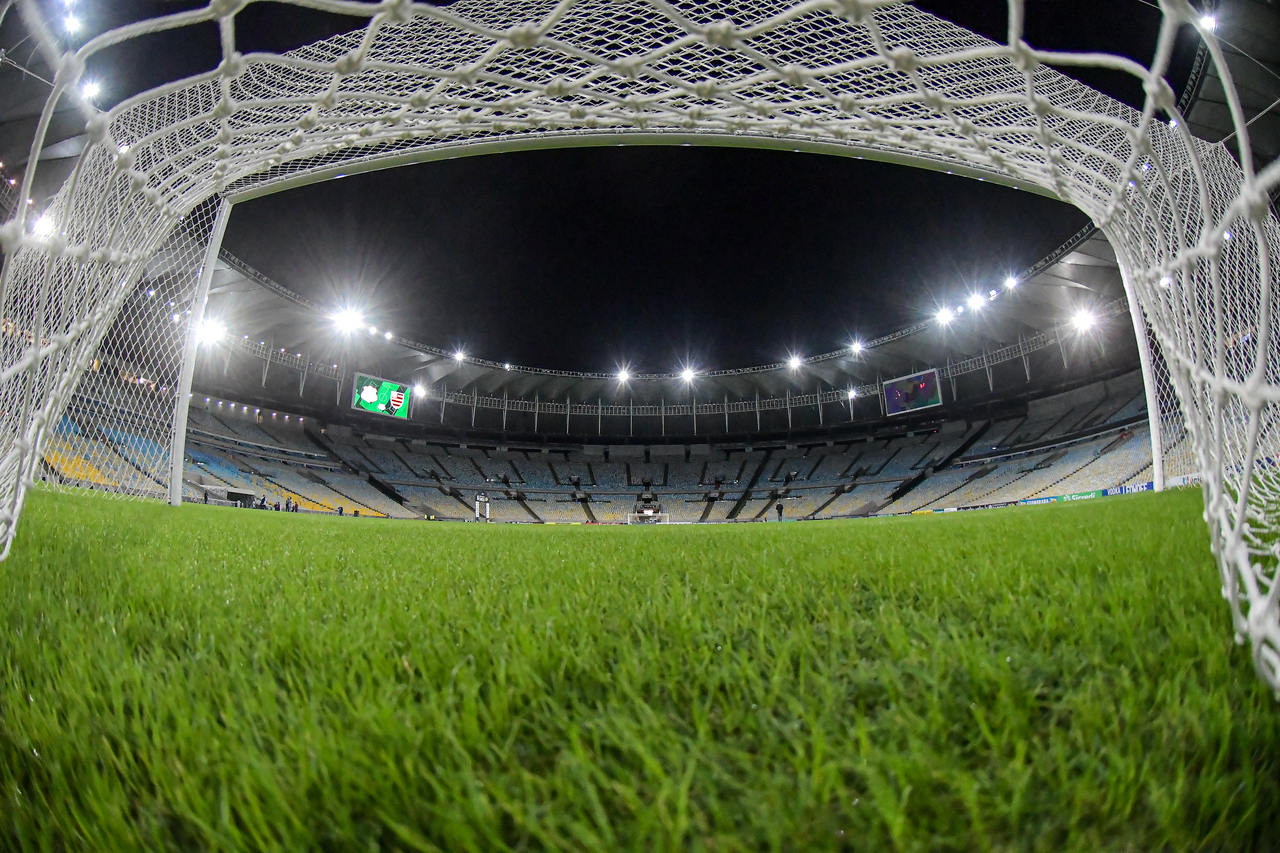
(648, 518)
(84, 352)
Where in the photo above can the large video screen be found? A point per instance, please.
(908, 393)
(380, 396)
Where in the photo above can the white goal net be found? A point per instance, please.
(1189, 221)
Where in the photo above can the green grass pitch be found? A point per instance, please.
(1047, 678)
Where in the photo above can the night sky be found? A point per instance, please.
(653, 257)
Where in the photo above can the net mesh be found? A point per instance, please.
(1189, 220)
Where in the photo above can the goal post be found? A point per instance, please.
(1190, 221)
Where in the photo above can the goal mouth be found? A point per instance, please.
(648, 518)
(1191, 223)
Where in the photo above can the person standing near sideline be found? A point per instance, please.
(779, 509)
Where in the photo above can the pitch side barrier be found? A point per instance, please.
(1067, 498)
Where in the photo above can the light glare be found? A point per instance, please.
(945, 316)
(794, 362)
(210, 331)
(1083, 320)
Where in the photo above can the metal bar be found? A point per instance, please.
(178, 446)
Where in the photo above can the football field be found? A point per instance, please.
(1046, 677)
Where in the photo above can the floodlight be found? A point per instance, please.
(976, 302)
(387, 335)
(419, 390)
(506, 366)
(1165, 282)
(210, 331)
(623, 375)
(794, 362)
(853, 392)
(373, 330)
(687, 374)
(945, 316)
(71, 24)
(459, 356)
(347, 320)
(43, 227)
(1083, 320)
(1209, 22)
(1010, 283)
(90, 89)
(856, 346)
(176, 317)
(1226, 235)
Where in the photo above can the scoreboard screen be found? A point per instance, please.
(380, 396)
(908, 393)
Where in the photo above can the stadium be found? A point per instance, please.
(497, 553)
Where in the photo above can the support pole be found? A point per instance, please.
(726, 414)
(504, 409)
(1148, 382)
(178, 446)
(817, 397)
(535, 412)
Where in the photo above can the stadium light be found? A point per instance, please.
(1010, 283)
(1165, 282)
(945, 316)
(1209, 22)
(1083, 320)
(419, 390)
(506, 366)
(624, 375)
(90, 89)
(459, 356)
(210, 331)
(347, 320)
(794, 362)
(976, 302)
(687, 374)
(387, 335)
(856, 347)
(71, 24)
(373, 330)
(853, 393)
(43, 227)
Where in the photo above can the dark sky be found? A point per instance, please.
(651, 256)
(587, 259)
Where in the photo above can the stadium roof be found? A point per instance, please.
(1086, 272)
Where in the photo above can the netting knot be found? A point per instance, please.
(1255, 203)
(1159, 92)
(524, 36)
(227, 8)
(1041, 106)
(855, 11)
(347, 64)
(557, 88)
(707, 90)
(1023, 57)
(847, 103)
(232, 66)
(721, 34)
(398, 10)
(902, 59)
(70, 69)
(96, 128)
(224, 108)
(796, 76)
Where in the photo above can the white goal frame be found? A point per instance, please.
(648, 518)
(1190, 223)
